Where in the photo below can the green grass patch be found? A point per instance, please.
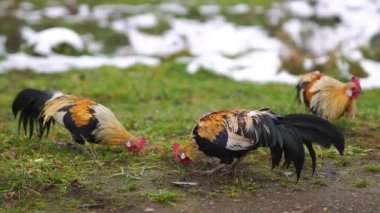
(372, 167)
(360, 183)
(164, 197)
(232, 191)
(320, 182)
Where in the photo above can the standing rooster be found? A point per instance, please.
(229, 135)
(85, 119)
(327, 97)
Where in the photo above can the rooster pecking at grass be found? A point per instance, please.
(83, 118)
(230, 134)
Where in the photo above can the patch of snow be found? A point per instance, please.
(3, 40)
(322, 60)
(300, 8)
(373, 70)
(308, 64)
(239, 9)
(293, 28)
(92, 45)
(167, 44)
(147, 20)
(174, 8)
(354, 27)
(61, 63)
(31, 17)
(209, 9)
(45, 40)
(105, 11)
(239, 52)
(56, 11)
(28, 34)
(342, 65)
(257, 66)
(218, 36)
(275, 14)
(83, 14)
(119, 25)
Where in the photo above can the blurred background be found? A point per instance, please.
(259, 41)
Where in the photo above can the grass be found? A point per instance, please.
(360, 183)
(233, 191)
(320, 182)
(372, 167)
(163, 196)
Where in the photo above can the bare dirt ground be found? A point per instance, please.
(336, 193)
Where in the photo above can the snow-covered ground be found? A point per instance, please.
(243, 53)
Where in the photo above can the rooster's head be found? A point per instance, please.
(356, 89)
(136, 145)
(180, 155)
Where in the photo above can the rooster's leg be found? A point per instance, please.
(80, 148)
(211, 171)
(91, 152)
(234, 165)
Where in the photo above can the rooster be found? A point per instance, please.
(85, 119)
(229, 135)
(327, 97)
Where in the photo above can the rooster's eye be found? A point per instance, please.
(182, 156)
(349, 92)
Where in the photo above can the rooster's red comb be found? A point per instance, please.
(356, 81)
(176, 147)
(141, 140)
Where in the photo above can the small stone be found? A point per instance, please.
(324, 209)
(149, 210)
(287, 174)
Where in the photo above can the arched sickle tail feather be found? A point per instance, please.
(293, 148)
(29, 104)
(312, 155)
(316, 129)
(293, 131)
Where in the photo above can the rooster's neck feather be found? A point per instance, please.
(110, 130)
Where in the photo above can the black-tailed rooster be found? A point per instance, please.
(229, 135)
(327, 97)
(85, 119)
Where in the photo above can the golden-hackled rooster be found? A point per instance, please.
(327, 97)
(229, 135)
(85, 119)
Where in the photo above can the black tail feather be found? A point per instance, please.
(312, 155)
(293, 148)
(291, 132)
(316, 129)
(29, 104)
(276, 153)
